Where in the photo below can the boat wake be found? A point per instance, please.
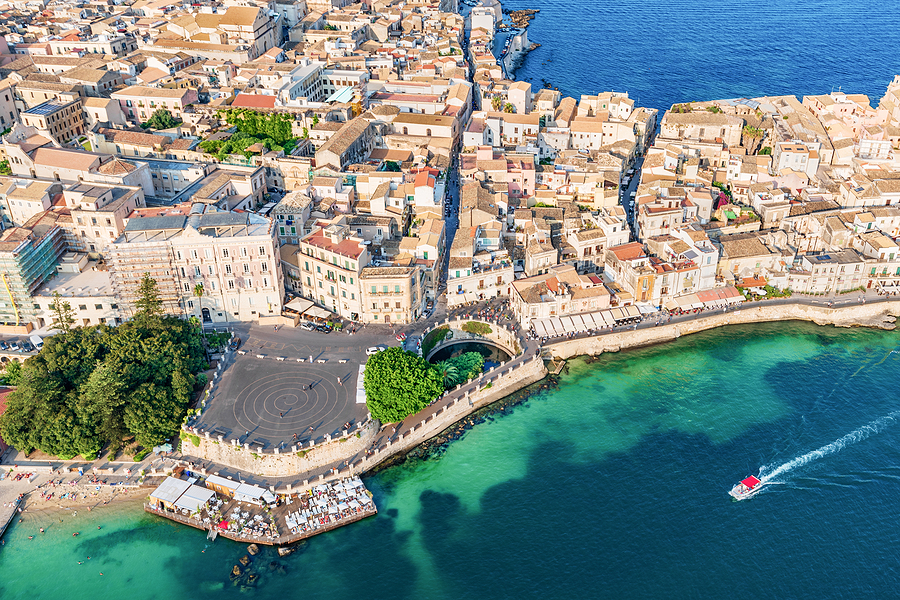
(853, 437)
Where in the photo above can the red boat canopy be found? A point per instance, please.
(750, 481)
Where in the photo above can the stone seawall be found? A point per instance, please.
(495, 385)
(296, 459)
(876, 314)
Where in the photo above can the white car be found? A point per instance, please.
(374, 350)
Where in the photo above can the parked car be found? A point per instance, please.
(323, 328)
(307, 326)
(4, 345)
(401, 337)
(374, 350)
(26, 346)
(235, 343)
(14, 346)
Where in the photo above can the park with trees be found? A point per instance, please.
(106, 386)
(274, 131)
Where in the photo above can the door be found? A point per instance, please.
(206, 317)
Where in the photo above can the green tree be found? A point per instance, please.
(104, 384)
(13, 372)
(161, 119)
(63, 315)
(148, 302)
(509, 108)
(399, 383)
(449, 373)
(461, 368)
(765, 150)
(497, 103)
(4, 168)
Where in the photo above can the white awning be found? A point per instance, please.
(299, 305)
(248, 493)
(557, 325)
(631, 311)
(194, 498)
(567, 324)
(540, 328)
(316, 312)
(169, 490)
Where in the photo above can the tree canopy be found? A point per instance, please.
(274, 131)
(92, 385)
(460, 368)
(161, 119)
(399, 383)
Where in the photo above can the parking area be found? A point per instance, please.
(18, 347)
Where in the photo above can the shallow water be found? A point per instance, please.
(614, 485)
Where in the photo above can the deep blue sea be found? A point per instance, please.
(663, 52)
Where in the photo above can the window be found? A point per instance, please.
(190, 304)
(187, 287)
(246, 267)
(384, 289)
(374, 289)
(396, 289)
(208, 253)
(228, 269)
(193, 254)
(225, 252)
(98, 306)
(243, 251)
(231, 284)
(262, 250)
(264, 267)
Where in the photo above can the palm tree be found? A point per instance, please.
(198, 291)
(448, 372)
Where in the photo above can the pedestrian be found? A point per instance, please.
(281, 415)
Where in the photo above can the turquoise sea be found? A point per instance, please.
(614, 485)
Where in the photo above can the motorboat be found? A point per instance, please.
(747, 488)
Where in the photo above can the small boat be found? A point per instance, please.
(747, 488)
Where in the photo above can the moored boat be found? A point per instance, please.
(746, 488)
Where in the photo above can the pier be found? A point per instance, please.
(290, 518)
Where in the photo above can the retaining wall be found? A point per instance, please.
(877, 314)
(275, 462)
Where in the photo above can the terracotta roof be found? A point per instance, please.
(65, 158)
(254, 101)
(116, 166)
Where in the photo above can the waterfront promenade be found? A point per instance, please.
(876, 311)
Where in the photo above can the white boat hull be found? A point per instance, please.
(742, 492)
